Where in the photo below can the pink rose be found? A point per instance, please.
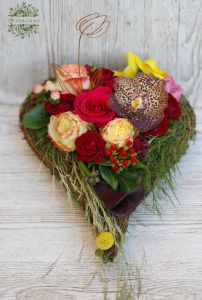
(74, 79)
(173, 88)
(37, 88)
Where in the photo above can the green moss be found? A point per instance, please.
(166, 151)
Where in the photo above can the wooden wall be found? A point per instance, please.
(167, 30)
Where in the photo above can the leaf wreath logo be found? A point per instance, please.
(23, 20)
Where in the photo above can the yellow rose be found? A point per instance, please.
(118, 132)
(64, 128)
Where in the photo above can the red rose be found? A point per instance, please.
(141, 145)
(66, 103)
(90, 147)
(101, 77)
(160, 129)
(92, 106)
(173, 110)
(107, 78)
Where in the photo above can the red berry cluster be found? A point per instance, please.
(121, 158)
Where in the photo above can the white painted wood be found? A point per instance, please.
(46, 247)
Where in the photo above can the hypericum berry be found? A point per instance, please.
(115, 168)
(129, 143)
(125, 163)
(113, 147)
(113, 160)
(132, 150)
(123, 153)
(108, 152)
(134, 159)
(91, 180)
(97, 179)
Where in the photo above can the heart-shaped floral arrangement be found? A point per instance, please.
(111, 137)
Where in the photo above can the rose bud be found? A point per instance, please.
(55, 95)
(37, 88)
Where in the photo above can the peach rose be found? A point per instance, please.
(64, 128)
(74, 80)
(118, 132)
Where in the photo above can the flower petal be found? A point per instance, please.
(155, 69)
(142, 65)
(131, 61)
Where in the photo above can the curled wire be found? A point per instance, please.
(93, 26)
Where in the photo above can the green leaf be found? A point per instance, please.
(36, 118)
(128, 180)
(40, 133)
(104, 163)
(90, 164)
(109, 176)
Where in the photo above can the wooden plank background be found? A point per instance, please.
(46, 247)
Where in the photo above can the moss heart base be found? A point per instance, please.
(161, 159)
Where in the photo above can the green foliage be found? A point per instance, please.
(36, 118)
(128, 180)
(109, 176)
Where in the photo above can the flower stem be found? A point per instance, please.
(84, 170)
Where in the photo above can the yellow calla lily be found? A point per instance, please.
(135, 64)
(141, 64)
(132, 61)
(155, 69)
(131, 69)
(127, 72)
